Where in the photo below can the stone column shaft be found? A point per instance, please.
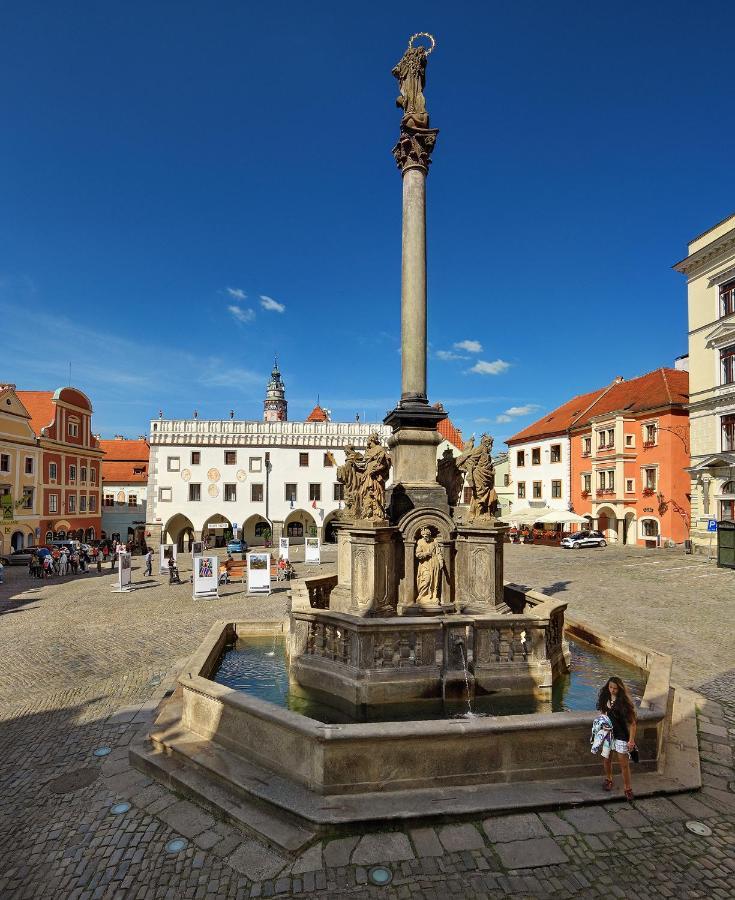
(413, 285)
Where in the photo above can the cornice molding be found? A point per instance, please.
(694, 264)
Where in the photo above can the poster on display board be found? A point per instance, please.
(197, 548)
(124, 573)
(283, 548)
(167, 552)
(312, 551)
(206, 576)
(259, 573)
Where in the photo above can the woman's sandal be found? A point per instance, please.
(607, 784)
(628, 794)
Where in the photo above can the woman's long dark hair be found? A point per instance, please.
(623, 702)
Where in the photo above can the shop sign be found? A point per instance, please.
(6, 504)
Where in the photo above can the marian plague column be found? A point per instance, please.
(415, 437)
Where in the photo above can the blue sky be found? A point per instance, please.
(167, 165)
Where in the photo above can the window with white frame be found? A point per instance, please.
(629, 486)
(132, 499)
(338, 491)
(521, 490)
(556, 488)
(73, 429)
(92, 504)
(83, 474)
(27, 499)
(601, 440)
(727, 298)
(649, 434)
(586, 446)
(71, 503)
(728, 432)
(72, 474)
(587, 482)
(83, 503)
(555, 453)
(630, 440)
(109, 500)
(230, 493)
(537, 490)
(521, 458)
(195, 492)
(535, 456)
(93, 476)
(649, 478)
(53, 503)
(290, 493)
(650, 528)
(610, 437)
(52, 471)
(315, 492)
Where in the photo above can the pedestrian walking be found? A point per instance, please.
(149, 562)
(615, 702)
(99, 561)
(63, 564)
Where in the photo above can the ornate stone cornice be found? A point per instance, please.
(697, 262)
(414, 148)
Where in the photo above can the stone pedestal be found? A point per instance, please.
(373, 563)
(479, 568)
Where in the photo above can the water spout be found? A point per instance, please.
(460, 645)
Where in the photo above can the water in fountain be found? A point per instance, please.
(275, 637)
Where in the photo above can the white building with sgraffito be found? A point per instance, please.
(268, 479)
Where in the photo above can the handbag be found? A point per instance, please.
(634, 755)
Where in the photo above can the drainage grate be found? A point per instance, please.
(73, 781)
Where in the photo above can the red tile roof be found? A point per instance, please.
(122, 458)
(121, 449)
(558, 421)
(447, 430)
(113, 472)
(662, 387)
(317, 415)
(40, 407)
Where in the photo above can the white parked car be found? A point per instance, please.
(584, 539)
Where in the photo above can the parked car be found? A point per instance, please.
(237, 546)
(17, 557)
(583, 539)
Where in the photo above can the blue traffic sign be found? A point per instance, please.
(711, 525)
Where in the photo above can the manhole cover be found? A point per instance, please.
(699, 828)
(73, 781)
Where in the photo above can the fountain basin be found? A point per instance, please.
(394, 756)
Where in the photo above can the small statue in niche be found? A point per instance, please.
(477, 465)
(430, 567)
(450, 477)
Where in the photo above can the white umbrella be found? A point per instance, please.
(527, 515)
(563, 517)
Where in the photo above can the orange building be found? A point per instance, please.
(629, 453)
(71, 464)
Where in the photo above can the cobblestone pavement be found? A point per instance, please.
(85, 668)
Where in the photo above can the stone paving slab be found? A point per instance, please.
(388, 847)
(530, 853)
(186, 818)
(590, 820)
(256, 861)
(514, 828)
(426, 842)
(310, 861)
(460, 837)
(339, 852)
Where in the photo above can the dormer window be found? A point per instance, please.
(727, 298)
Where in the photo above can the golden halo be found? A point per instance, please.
(424, 34)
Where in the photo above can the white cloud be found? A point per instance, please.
(272, 305)
(242, 315)
(503, 418)
(483, 367)
(522, 410)
(237, 293)
(469, 346)
(448, 355)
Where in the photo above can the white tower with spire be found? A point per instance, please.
(275, 405)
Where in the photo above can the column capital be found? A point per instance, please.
(414, 148)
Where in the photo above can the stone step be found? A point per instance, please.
(195, 783)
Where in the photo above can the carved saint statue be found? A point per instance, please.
(449, 477)
(477, 465)
(430, 567)
(348, 475)
(411, 74)
(371, 490)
